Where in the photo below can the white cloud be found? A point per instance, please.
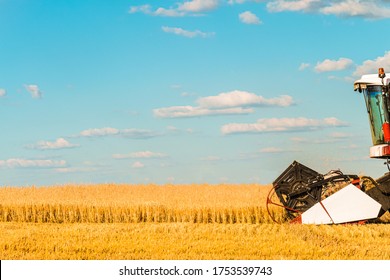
(138, 164)
(281, 125)
(142, 154)
(232, 2)
(340, 135)
(229, 103)
(64, 170)
(74, 169)
(105, 131)
(211, 158)
(333, 65)
(267, 150)
(60, 143)
(186, 33)
(138, 133)
(342, 8)
(172, 128)
(194, 7)
(271, 150)
(176, 86)
(3, 92)
(197, 6)
(176, 130)
(299, 139)
(31, 163)
(367, 9)
(146, 9)
(238, 98)
(190, 111)
(298, 5)
(127, 132)
(333, 137)
(371, 66)
(249, 18)
(168, 12)
(186, 94)
(34, 91)
(303, 66)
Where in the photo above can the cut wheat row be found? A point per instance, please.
(132, 214)
(120, 203)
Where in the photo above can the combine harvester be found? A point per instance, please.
(309, 197)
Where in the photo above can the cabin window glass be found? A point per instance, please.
(374, 103)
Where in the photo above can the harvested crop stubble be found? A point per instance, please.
(184, 241)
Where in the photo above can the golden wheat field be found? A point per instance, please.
(117, 221)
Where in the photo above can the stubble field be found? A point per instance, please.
(114, 221)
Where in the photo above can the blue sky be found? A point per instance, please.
(200, 91)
